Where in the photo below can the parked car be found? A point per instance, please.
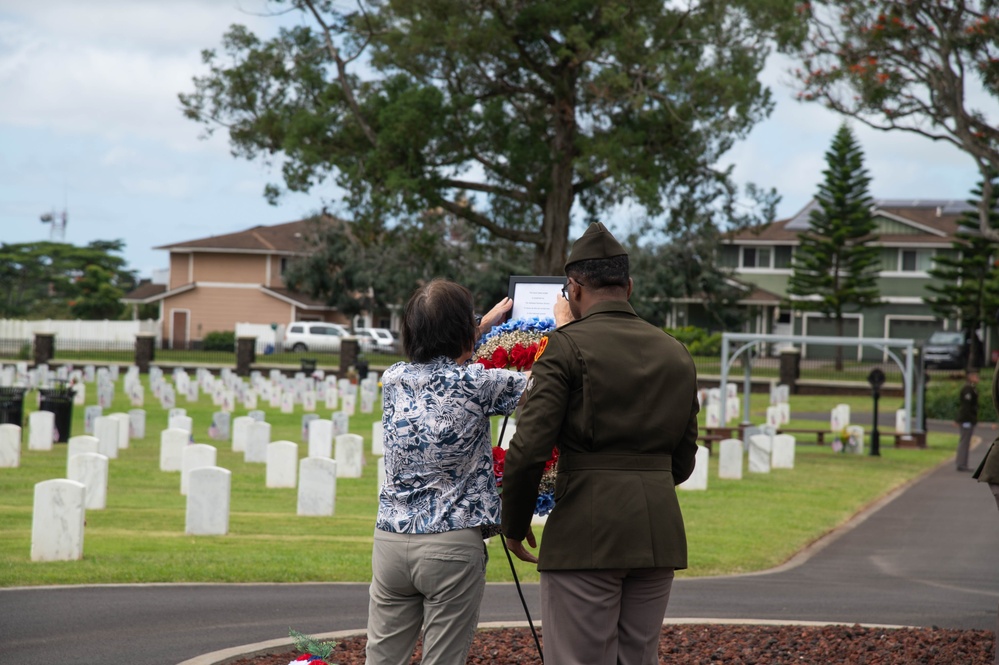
(304, 336)
(946, 350)
(376, 339)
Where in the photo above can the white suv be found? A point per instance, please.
(313, 336)
(376, 339)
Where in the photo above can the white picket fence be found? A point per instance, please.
(82, 333)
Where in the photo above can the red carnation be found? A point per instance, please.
(522, 357)
(499, 460)
(499, 358)
(550, 464)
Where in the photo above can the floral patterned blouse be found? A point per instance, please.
(438, 451)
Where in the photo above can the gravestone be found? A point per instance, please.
(321, 438)
(369, 394)
(172, 444)
(106, 430)
(288, 402)
(137, 423)
(79, 394)
(332, 398)
(282, 464)
(760, 449)
(712, 415)
(773, 416)
(730, 456)
(256, 444)
(900, 421)
(341, 423)
(839, 418)
(309, 401)
(349, 403)
(317, 487)
(91, 469)
(785, 413)
(349, 455)
(195, 456)
(698, 479)
(855, 439)
(124, 425)
(258, 415)
(90, 414)
(306, 419)
(208, 501)
(241, 432)
(380, 475)
(77, 445)
(41, 430)
(782, 456)
(177, 411)
(377, 438)
(219, 429)
(181, 422)
(250, 400)
(57, 521)
(10, 446)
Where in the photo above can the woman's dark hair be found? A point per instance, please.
(438, 321)
(600, 273)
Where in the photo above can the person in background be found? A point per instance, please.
(429, 560)
(618, 396)
(967, 418)
(988, 472)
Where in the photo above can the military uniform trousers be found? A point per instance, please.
(604, 617)
(430, 581)
(964, 446)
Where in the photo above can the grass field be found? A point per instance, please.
(735, 526)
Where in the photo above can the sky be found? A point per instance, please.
(90, 124)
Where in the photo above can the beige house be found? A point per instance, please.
(219, 281)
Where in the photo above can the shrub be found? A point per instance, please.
(941, 401)
(219, 340)
(697, 340)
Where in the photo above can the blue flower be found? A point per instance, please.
(545, 504)
(531, 325)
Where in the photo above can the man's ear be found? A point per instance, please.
(631, 283)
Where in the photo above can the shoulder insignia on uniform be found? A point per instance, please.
(542, 345)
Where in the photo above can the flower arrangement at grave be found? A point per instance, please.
(515, 345)
(314, 652)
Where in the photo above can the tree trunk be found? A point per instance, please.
(550, 255)
(839, 349)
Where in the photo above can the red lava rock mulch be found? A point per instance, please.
(734, 645)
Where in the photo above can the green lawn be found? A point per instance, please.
(736, 526)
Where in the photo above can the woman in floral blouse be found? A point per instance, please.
(429, 560)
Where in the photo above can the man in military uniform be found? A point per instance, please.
(988, 472)
(967, 418)
(618, 397)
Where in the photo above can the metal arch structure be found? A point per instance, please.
(885, 345)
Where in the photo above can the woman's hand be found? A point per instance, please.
(494, 315)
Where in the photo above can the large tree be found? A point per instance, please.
(505, 113)
(967, 282)
(43, 279)
(927, 67)
(835, 267)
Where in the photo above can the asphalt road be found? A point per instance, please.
(928, 557)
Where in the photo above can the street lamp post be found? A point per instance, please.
(877, 379)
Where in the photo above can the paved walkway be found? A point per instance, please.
(927, 557)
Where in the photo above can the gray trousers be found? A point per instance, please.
(964, 445)
(429, 581)
(604, 617)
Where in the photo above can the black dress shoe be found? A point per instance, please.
(963, 468)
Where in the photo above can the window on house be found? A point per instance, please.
(782, 256)
(284, 265)
(728, 257)
(756, 257)
(915, 260)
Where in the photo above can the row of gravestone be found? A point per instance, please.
(764, 451)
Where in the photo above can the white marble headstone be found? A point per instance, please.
(241, 432)
(219, 429)
(760, 447)
(90, 414)
(172, 444)
(79, 394)
(698, 480)
(782, 456)
(282, 464)
(107, 431)
(182, 422)
(730, 455)
(855, 439)
(317, 486)
(377, 438)
(10, 446)
(341, 423)
(41, 430)
(77, 445)
(137, 423)
(256, 444)
(258, 415)
(321, 438)
(124, 425)
(773, 416)
(349, 403)
(900, 421)
(195, 456)
(208, 500)
(91, 469)
(57, 520)
(349, 455)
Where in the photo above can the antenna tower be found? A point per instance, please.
(57, 232)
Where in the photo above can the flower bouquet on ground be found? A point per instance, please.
(313, 651)
(515, 345)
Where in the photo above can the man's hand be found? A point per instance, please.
(517, 548)
(562, 312)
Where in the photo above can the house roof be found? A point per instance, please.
(144, 292)
(299, 299)
(288, 238)
(933, 222)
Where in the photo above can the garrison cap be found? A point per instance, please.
(596, 243)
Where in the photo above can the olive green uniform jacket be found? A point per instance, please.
(618, 397)
(988, 470)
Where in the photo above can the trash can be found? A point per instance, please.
(59, 400)
(308, 365)
(12, 405)
(362, 369)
